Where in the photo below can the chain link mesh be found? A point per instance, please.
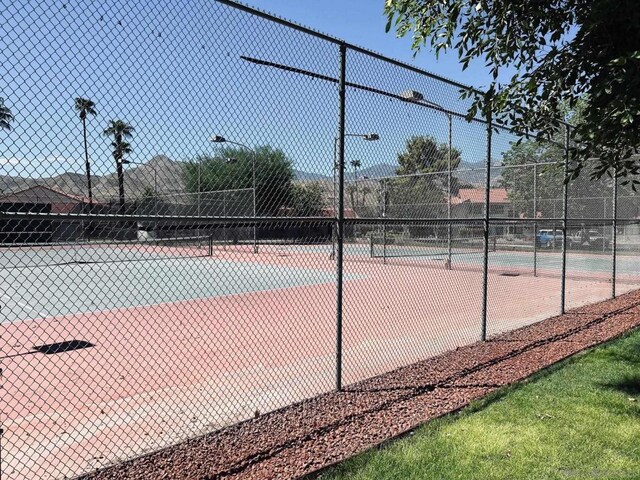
(170, 239)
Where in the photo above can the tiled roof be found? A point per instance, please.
(476, 195)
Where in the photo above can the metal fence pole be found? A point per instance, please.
(614, 233)
(535, 217)
(449, 193)
(253, 179)
(604, 216)
(565, 191)
(487, 195)
(334, 199)
(340, 213)
(384, 225)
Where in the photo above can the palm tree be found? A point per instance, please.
(5, 116)
(120, 131)
(85, 107)
(356, 164)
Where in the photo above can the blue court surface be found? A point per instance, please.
(584, 262)
(44, 282)
(35, 292)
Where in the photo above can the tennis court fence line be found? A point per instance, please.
(208, 213)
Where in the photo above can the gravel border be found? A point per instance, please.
(303, 438)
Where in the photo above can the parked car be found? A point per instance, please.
(549, 237)
(587, 239)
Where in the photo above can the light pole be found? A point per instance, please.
(155, 179)
(155, 183)
(369, 137)
(417, 97)
(221, 139)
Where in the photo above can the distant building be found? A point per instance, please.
(469, 203)
(41, 199)
(348, 212)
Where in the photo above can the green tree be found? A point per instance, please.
(149, 192)
(85, 107)
(307, 200)
(355, 164)
(5, 116)
(587, 197)
(560, 51)
(365, 191)
(120, 131)
(423, 185)
(232, 169)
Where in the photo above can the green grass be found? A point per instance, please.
(577, 420)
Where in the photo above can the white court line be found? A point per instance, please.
(24, 305)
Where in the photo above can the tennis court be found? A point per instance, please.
(579, 263)
(147, 317)
(119, 276)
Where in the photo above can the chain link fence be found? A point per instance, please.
(209, 213)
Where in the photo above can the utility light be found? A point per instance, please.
(412, 96)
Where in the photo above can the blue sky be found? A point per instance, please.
(362, 22)
(176, 75)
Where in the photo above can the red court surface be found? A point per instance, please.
(162, 373)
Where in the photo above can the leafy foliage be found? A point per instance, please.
(519, 183)
(424, 155)
(120, 131)
(562, 51)
(84, 107)
(232, 169)
(6, 117)
(307, 200)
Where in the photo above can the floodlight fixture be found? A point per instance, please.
(412, 96)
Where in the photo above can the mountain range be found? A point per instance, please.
(165, 175)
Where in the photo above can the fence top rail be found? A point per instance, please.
(453, 171)
(161, 219)
(310, 31)
(296, 26)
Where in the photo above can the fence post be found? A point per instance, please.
(340, 213)
(384, 225)
(487, 195)
(565, 187)
(535, 219)
(450, 150)
(614, 233)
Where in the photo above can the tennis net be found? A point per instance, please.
(100, 251)
(394, 245)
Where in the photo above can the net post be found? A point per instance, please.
(614, 233)
(340, 213)
(565, 191)
(485, 260)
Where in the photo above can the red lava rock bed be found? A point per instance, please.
(305, 437)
